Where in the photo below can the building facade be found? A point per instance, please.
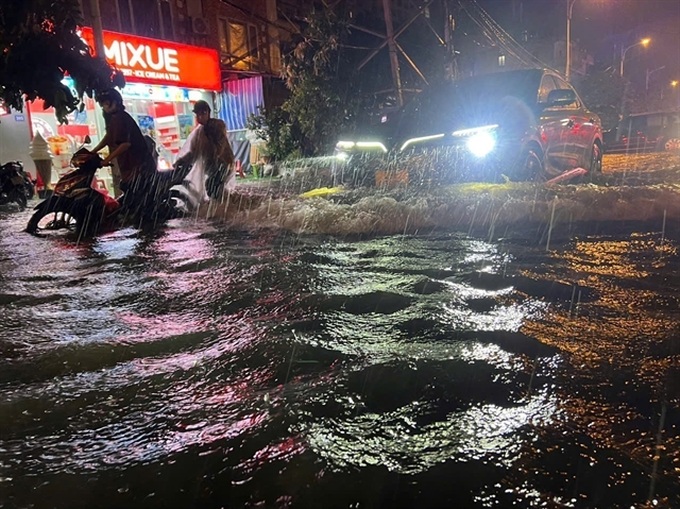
(173, 53)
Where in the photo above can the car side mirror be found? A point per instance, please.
(87, 140)
(561, 97)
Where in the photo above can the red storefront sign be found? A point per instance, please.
(155, 62)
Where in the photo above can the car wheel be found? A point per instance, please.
(595, 165)
(529, 166)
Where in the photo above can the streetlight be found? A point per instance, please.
(675, 84)
(643, 42)
(649, 73)
(567, 67)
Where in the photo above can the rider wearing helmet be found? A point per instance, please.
(127, 146)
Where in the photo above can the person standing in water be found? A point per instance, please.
(208, 151)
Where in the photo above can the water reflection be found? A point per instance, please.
(255, 368)
(401, 442)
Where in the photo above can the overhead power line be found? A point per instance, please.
(498, 36)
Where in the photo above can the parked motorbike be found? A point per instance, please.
(78, 206)
(16, 186)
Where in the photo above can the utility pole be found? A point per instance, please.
(392, 47)
(649, 73)
(449, 27)
(97, 29)
(567, 66)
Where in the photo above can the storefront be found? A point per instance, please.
(15, 137)
(163, 80)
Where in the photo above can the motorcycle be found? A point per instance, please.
(76, 205)
(16, 186)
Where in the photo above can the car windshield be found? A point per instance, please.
(473, 99)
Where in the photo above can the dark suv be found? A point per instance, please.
(645, 132)
(523, 124)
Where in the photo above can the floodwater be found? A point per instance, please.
(205, 366)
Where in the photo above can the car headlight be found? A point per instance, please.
(420, 139)
(481, 144)
(480, 141)
(364, 145)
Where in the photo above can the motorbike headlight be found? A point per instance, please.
(480, 141)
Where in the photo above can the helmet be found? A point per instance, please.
(111, 95)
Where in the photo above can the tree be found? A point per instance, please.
(275, 127)
(324, 97)
(39, 46)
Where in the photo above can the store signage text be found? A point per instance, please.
(137, 60)
(155, 62)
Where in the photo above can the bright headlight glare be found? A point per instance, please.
(475, 130)
(371, 145)
(420, 139)
(481, 144)
(345, 144)
(342, 156)
(366, 145)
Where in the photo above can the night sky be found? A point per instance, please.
(603, 26)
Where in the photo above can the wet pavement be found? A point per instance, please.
(212, 365)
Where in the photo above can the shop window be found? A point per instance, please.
(224, 35)
(253, 46)
(239, 41)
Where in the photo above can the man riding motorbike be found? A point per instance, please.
(127, 146)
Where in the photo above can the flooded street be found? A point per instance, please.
(203, 366)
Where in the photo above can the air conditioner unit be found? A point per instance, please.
(199, 25)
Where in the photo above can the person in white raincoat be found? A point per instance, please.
(208, 152)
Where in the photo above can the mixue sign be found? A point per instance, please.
(156, 62)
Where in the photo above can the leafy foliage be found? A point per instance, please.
(328, 92)
(323, 96)
(39, 46)
(275, 127)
